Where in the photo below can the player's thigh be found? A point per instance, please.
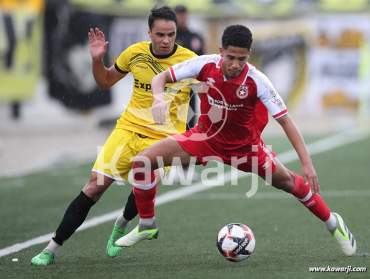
(142, 143)
(164, 151)
(261, 162)
(114, 158)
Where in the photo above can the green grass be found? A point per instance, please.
(288, 239)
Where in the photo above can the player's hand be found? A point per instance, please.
(310, 176)
(159, 111)
(97, 43)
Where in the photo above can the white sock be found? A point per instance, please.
(147, 223)
(331, 223)
(121, 222)
(52, 246)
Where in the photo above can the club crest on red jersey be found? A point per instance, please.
(210, 81)
(242, 91)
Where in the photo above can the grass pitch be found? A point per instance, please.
(289, 239)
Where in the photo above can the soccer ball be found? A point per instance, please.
(236, 242)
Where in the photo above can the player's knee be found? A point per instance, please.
(92, 191)
(143, 162)
(138, 164)
(284, 181)
(96, 186)
(289, 182)
(100, 180)
(288, 177)
(142, 171)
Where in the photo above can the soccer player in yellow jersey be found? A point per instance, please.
(135, 129)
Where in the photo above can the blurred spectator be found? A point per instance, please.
(186, 37)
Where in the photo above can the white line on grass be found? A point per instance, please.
(275, 195)
(319, 146)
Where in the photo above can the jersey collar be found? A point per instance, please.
(162, 56)
(240, 79)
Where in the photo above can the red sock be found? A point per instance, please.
(144, 189)
(313, 202)
(144, 200)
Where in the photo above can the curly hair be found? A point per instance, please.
(237, 36)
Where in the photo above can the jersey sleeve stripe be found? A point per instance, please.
(172, 74)
(119, 69)
(280, 114)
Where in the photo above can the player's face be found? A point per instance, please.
(163, 35)
(234, 60)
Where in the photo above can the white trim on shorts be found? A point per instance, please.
(119, 181)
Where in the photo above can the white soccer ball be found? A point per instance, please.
(236, 242)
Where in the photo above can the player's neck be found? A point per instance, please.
(226, 77)
(152, 51)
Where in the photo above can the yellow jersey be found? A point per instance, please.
(140, 60)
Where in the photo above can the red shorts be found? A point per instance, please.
(258, 159)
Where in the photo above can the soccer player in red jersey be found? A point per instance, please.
(242, 96)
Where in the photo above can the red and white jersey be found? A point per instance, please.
(243, 101)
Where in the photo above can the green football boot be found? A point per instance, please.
(44, 258)
(112, 249)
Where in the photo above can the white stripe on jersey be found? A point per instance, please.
(267, 93)
(192, 67)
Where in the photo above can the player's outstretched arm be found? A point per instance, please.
(159, 107)
(296, 139)
(104, 77)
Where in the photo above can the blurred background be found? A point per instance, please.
(316, 53)
(53, 118)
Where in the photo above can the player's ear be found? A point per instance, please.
(222, 50)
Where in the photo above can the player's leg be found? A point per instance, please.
(284, 179)
(74, 216)
(114, 160)
(120, 226)
(145, 186)
(137, 144)
(102, 176)
(290, 182)
(129, 212)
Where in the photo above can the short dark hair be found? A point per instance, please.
(181, 9)
(237, 36)
(164, 12)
